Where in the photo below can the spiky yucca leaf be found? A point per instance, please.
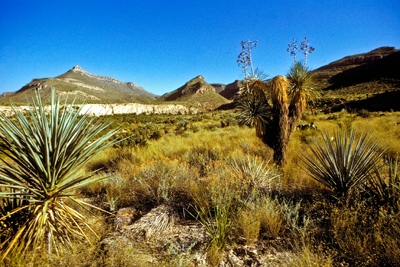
(46, 151)
(253, 110)
(343, 161)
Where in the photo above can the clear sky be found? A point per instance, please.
(160, 45)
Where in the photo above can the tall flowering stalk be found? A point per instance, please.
(307, 49)
(244, 58)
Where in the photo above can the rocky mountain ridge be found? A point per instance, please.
(94, 76)
(87, 86)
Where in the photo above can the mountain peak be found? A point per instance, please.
(77, 68)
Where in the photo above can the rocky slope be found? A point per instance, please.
(91, 87)
(365, 81)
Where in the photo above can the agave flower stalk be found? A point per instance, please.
(45, 153)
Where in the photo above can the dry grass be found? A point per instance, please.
(196, 169)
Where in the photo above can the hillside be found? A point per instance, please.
(368, 81)
(219, 87)
(91, 87)
(196, 92)
(232, 91)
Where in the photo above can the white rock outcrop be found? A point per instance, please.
(111, 109)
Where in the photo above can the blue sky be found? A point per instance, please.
(160, 45)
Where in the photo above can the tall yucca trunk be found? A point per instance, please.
(258, 88)
(279, 85)
(296, 109)
(279, 140)
(285, 118)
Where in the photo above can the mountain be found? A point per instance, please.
(91, 87)
(368, 81)
(196, 92)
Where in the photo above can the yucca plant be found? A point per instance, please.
(45, 151)
(276, 123)
(302, 89)
(343, 161)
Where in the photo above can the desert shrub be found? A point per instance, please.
(163, 182)
(281, 217)
(254, 174)
(131, 139)
(195, 128)
(182, 124)
(347, 123)
(45, 155)
(364, 113)
(272, 222)
(203, 158)
(249, 223)
(215, 208)
(300, 227)
(211, 126)
(307, 136)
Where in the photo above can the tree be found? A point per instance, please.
(276, 122)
